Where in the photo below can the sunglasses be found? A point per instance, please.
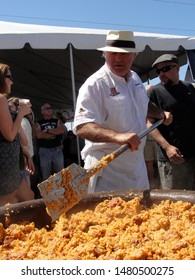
(9, 77)
(48, 108)
(165, 69)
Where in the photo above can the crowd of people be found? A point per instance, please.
(112, 108)
(13, 184)
(30, 150)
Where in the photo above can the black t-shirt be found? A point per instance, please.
(180, 101)
(56, 141)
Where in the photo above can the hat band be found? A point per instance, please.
(121, 44)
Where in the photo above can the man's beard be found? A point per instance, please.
(168, 82)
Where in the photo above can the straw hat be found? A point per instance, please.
(119, 41)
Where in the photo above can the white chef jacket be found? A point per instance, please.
(113, 103)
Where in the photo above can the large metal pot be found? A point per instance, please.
(35, 210)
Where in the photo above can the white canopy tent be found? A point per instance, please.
(49, 63)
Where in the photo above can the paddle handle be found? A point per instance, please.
(141, 135)
(110, 157)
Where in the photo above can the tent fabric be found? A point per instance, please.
(55, 37)
(40, 58)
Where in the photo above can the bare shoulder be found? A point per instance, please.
(3, 99)
(4, 105)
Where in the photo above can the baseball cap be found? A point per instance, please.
(165, 58)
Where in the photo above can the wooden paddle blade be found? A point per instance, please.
(63, 190)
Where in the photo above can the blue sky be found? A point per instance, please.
(154, 16)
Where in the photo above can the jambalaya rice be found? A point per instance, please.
(114, 230)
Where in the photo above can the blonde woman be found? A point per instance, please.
(11, 183)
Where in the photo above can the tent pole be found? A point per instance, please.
(74, 95)
(190, 72)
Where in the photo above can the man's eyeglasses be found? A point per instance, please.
(9, 77)
(48, 108)
(165, 69)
